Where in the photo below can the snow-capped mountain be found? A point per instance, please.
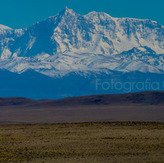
(96, 42)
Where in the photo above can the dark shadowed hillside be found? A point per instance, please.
(144, 98)
(140, 98)
(142, 106)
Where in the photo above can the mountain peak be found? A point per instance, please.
(66, 8)
(92, 15)
(68, 11)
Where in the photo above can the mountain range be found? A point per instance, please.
(63, 55)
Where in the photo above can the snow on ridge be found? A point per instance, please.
(3, 27)
(70, 42)
(62, 64)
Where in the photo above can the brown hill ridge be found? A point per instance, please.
(139, 98)
(142, 106)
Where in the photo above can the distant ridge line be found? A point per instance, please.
(137, 98)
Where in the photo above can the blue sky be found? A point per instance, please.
(23, 13)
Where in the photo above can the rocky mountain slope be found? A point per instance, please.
(96, 42)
